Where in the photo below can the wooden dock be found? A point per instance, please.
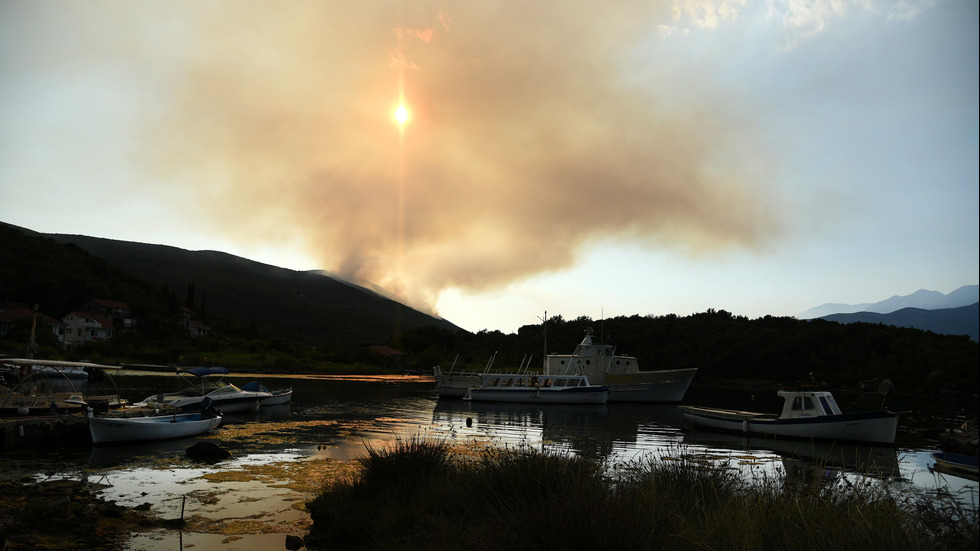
(44, 431)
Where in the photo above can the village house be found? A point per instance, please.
(191, 326)
(119, 313)
(16, 313)
(85, 327)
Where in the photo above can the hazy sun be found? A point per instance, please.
(401, 114)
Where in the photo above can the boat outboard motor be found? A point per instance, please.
(207, 408)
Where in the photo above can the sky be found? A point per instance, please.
(650, 157)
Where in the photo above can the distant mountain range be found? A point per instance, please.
(956, 313)
(926, 300)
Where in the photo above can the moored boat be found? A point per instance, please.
(627, 383)
(600, 363)
(807, 413)
(208, 382)
(141, 428)
(279, 396)
(958, 464)
(541, 389)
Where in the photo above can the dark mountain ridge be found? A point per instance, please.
(259, 298)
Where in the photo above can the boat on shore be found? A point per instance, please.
(807, 413)
(957, 464)
(537, 389)
(207, 382)
(142, 428)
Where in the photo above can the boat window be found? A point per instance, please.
(826, 406)
(802, 403)
(588, 362)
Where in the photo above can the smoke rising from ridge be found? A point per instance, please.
(537, 129)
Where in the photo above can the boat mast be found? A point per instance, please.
(32, 344)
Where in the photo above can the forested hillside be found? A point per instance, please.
(275, 320)
(726, 347)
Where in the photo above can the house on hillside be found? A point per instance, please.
(118, 312)
(85, 327)
(391, 358)
(191, 326)
(13, 314)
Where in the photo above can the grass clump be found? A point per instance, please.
(422, 494)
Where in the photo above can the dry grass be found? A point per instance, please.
(422, 494)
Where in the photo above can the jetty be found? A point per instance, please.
(41, 431)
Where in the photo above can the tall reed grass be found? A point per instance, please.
(423, 494)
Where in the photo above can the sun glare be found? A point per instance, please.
(401, 114)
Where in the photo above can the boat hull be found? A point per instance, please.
(965, 466)
(225, 404)
(665, 386)
(877, 427)
(140, 429)
(584, 395)
(654, 387)
(279, 397)
(455, 385)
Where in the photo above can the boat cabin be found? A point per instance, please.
(591, 356)
(806, 401)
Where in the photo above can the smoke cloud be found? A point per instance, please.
(537, 129)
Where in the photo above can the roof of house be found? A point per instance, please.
(103, 322)
(12, 311)
(385, 350)
(110, 303)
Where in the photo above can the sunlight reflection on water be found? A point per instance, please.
(281, 456)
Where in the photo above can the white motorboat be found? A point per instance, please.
(280, 396)
(807, 413)
(120, 428)
(208, 382)
(537, 389)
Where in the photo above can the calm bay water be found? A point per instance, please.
(282, 455)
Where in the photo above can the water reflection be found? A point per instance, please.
(279, 454)
(877, 461)
(606, 432)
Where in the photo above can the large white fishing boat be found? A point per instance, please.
(627, 383)
(598, 362)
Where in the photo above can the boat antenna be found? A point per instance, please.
(544, 328)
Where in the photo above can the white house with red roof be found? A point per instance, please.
(85, 327)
